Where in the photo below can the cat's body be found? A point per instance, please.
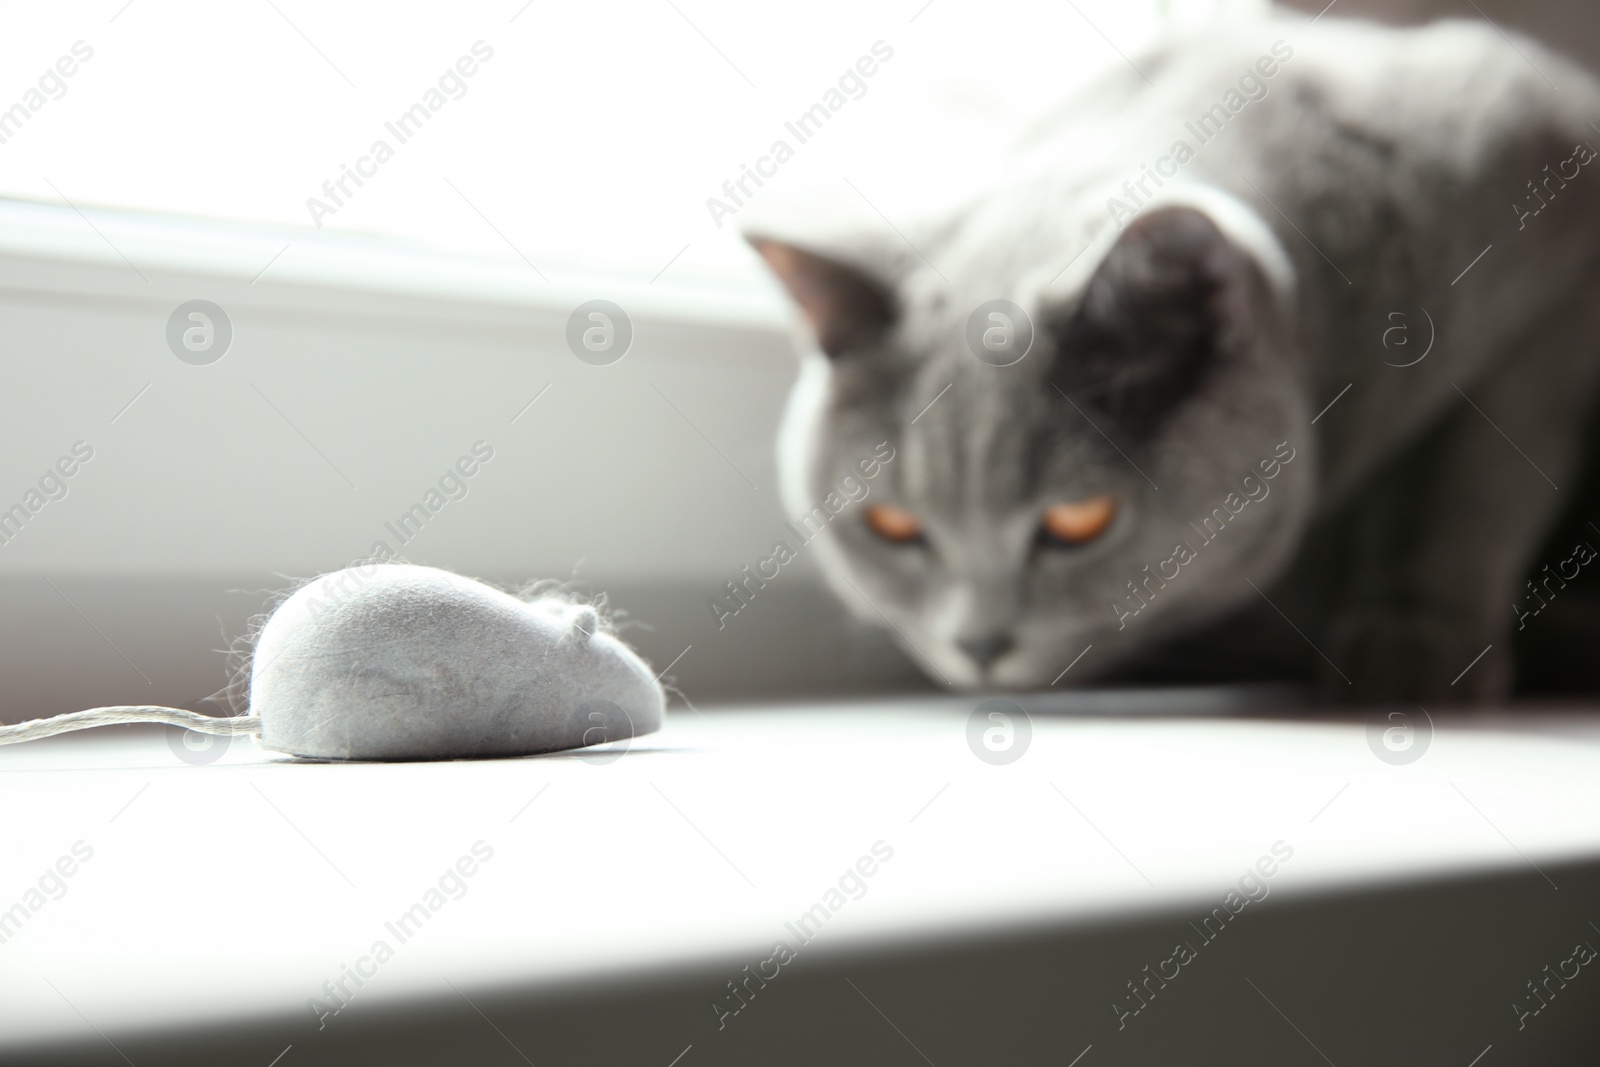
(1193, 313)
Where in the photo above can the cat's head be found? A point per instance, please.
(1034, 506)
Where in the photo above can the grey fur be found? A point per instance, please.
(1377, 167)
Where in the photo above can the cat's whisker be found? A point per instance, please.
(1073, 664)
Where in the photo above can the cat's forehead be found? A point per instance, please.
(975, 436)
(948, 308)
(987, 334)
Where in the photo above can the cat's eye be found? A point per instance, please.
(895, 525)
(1078, 522)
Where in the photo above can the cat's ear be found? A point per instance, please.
(1171, 297)
(846, 308)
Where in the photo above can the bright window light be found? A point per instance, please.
(569, 136)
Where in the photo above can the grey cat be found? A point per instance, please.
(1302, 329)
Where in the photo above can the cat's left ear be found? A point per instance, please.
(1172, 297)
(846, 308)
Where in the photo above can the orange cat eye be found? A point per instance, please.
(1078, 522)
(896, 525)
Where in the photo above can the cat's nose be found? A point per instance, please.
(987, 648)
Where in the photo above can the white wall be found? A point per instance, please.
(381, 366)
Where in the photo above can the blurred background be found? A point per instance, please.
(373, 340)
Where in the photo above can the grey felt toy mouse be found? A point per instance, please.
(400, 662)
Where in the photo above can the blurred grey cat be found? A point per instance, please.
(1199, 286)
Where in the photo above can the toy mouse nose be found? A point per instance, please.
(986, 648)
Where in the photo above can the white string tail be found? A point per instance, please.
(34, 729)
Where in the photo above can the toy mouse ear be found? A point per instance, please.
(847, 309)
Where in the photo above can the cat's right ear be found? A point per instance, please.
(846, 308)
